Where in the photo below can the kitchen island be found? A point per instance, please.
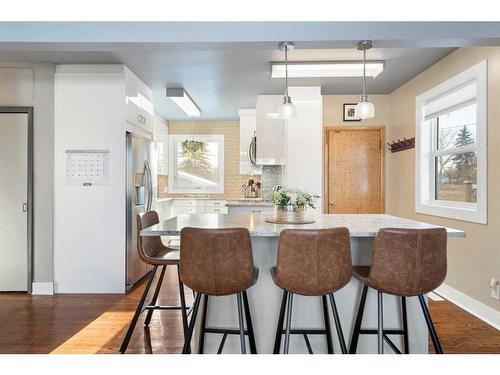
(265, 296)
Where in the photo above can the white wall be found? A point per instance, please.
(37, 90)
(89, 239)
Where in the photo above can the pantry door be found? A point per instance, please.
(354, 170)
(15, 216)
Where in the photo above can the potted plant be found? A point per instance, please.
(290, 204)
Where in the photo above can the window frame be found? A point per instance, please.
(426, 151)
(173, 163)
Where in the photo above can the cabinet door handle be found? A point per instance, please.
(25, 207)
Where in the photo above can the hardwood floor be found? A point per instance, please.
(97, 324)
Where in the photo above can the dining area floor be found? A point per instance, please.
(94, 324)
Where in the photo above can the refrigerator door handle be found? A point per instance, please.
(149, 182)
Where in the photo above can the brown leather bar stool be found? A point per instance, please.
(312, 263)
(406, 263)
(218, 262)
(152, 251)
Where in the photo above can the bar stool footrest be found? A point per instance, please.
(386, 332)
(386, 338)
(224, 332)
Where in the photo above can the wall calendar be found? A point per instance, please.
(87, 167)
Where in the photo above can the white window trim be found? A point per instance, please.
(424, 158)
(172, 165)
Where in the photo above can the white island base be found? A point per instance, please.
(265, 301)
(265, 297)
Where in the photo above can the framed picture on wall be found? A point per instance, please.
(350, 112)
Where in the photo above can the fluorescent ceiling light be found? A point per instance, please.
(184, 101)
(326, 69)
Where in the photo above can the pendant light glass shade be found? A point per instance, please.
(287, 110)
(364, 109)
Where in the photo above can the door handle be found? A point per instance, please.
(25, 207)
(333, 203)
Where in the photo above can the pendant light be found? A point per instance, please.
(364, 109)
(287, 110)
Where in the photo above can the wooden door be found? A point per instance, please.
(354, 166)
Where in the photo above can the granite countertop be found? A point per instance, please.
(359, 225)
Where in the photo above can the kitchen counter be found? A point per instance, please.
(265, 296)
(359, 225)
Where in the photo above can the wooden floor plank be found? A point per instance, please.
(97, 324)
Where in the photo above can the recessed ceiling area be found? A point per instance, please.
(225, 74)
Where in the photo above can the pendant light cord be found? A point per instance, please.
(286, 72)
(364, 72)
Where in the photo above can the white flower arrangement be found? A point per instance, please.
(294, 197)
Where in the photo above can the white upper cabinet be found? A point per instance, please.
(248, 121)
(271, 132)
(304, 163)
(139, 100)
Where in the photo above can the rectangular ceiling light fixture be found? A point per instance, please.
(184, 101)
(326, 69)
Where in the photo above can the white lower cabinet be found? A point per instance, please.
(251, 210)
(164, 210)
(198, 206)
(216, 210)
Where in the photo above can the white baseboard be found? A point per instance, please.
(43, 289)
(469, 304)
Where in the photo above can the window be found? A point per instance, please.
(451, 147)
(197, 163)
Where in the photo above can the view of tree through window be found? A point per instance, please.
(456, 156)
(197, 163)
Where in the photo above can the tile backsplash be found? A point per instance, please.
(272, 175)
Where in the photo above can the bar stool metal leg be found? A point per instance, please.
(338, 325)
(359, 319)
(187, 342)
(248, 316)
(155, 296)
(406, 345)
(288, 323)
(279, 328)
(328, 329)
(430, 326)
(201, 341)
(138, 311)
(380, 332)
(242, 326)
(183, 303)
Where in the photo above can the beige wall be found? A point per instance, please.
(333, 110)
(476, 259)
(231, 131)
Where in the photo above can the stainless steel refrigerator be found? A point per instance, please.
(141, 195)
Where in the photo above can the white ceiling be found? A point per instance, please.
(225, 66)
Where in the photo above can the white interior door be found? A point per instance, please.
(13, 197)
